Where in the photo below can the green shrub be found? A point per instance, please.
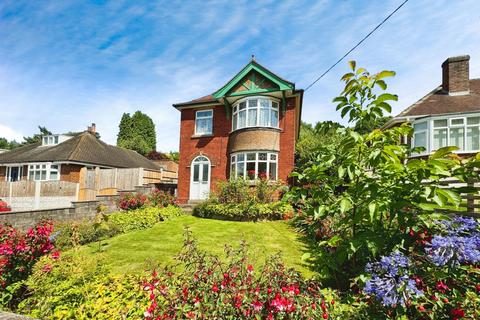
(79, 287)
(244, 211)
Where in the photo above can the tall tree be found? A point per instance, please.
(137, 132)
(37, 136)
(364, 126)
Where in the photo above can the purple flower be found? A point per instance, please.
(390, 281)
(461, 225)
(454, 250)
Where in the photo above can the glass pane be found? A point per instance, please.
(31, 175)
(473, 138)
(54, 167)
(252, 117)
(240, 169)
(264, 118)
(44, 175)
(196, 172)
(204, 114)
(44, 166)
(273, 157)
(420, 126)
(200, 159)
(252, 103)
(274, 105)
(272, 167)
(242, 119)
(439, 138)
(421, 139)
(274, 118)
(204, 126)
(262, 170)
(56, 139)
(205, 172)
(456, 122)
(440, 123)
(37, 175)
(251, 170)
(37, 166)
(232, 170)
(45, 140)
(262, 156)
(53, 175)
(242, 105)
(241, 157)
(473, 120)
(456, 137)
(234, 125)
(251, 156)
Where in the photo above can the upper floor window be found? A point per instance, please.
(255, 112)
(204, 122)
(50, 140)
(436, 133)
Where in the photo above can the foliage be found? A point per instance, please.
(160, 198)
(364, 127)
(80, 287)
(131, 201)
(207, 288)
(357, 198)
(155, 155)
(137, 132)
(142, 218)
(174, 156)
(9, 145)
(37, 137)
(244, 211)
(314, 139)
(20, 250)
(433, 282)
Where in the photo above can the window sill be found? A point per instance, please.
(257, 128)
(198, 136)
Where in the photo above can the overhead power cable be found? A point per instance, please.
(358, 44)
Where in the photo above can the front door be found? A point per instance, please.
(200, 178)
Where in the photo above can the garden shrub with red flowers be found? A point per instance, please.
(208, 288)
(156, 198)
(131, 201)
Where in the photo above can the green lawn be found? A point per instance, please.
(139, 250)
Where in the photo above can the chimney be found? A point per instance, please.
(92, 129)
(455, 75)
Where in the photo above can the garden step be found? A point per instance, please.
(12, 316)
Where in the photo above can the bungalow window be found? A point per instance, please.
(204, 122)
(420, 136)
(43, 172)
(255, 112)
(50, 140)
(253, 165)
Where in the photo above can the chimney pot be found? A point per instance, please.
(92, 129)
(455, 75)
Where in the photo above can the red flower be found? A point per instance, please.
(250, 268)
(325, 316)
(55, 255)
(457, 313)
(215, 288)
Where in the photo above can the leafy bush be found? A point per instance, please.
(244, 211)
(79, 287)
(20, 250)
(207, 288)
(155, 198)
(131, 201)
(141, 218)
(160, 198)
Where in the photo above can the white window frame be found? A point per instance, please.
(431, 129)
(50, 140)
(8, 171)
(426, 131)
(234, 163)
(197, 117)
(32, 168)
(271, 109)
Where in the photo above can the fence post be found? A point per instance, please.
(470, 198)
(140, 176)
(38, 186)
(10, 191)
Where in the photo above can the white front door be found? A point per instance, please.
(200, 178)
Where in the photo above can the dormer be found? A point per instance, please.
(54, 139)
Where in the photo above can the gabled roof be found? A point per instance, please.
(440, 102)
(252, 79)
(82, 148)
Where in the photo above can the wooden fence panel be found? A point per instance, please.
(58, 189)
(107, 178)
(23, 188)
(4, 189)
(89, 182)
(127, 179)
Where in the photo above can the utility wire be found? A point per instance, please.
(358, 44)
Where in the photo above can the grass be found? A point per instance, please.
(140, 250)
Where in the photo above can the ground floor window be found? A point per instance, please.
(43, 172)
(252, 165)
(14, 173)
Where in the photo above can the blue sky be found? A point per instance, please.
(65, 64)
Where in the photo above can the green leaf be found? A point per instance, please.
(450, 196)
(345, 205)
(386, 97)
(352, 64)
(440, 153)
(372, 208)
(381, 84)
(384, 74)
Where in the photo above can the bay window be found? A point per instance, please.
(204, 122)
(253, 165)
(255, 112)
(43, 172)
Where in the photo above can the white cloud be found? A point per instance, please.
(10, 134)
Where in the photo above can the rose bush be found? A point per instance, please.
(155, 198)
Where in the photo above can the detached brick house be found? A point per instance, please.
(61, 157)
(449, 115)
(246, 129)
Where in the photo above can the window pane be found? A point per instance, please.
(420, 126)
(54, 167)
(273, 157)
(196, 172)
(44, 175)
(473, 120)
(204, 126)
(456, 137)
(251, 156)
(242, 105)
(272, 167)
(234, 125)
(37, 175)
(262, 156)
(262, 170)
(456, 122)
(473, 138)
(31, 175)
(241, 157)
(242, 119)
(232, 170)
(252, 103)
(440, 123)
(205, 172)
(251, 170)
(240, 169)
(45, 140)
(56, 139)
(264, 118)
(274, 118)
(252, 117)
(53, 175)
(274, 105)
(420, 139)
(203, 114)
(439, 138)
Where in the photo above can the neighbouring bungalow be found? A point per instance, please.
(449, 115)
(246, 129)
(60, 157)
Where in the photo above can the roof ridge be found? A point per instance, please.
(74, 149)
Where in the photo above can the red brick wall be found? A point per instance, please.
(70, 172)
(215, 147)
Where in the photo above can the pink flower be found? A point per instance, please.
(55, 255)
